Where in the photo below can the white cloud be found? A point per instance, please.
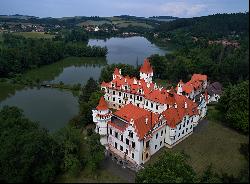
(182, 9)
(177, 8)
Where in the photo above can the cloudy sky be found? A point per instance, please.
(179, 8)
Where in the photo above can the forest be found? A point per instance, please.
(18, 54)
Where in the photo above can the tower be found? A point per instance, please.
(101, 116)
(146, 71)
(179, 87)
(117, 73)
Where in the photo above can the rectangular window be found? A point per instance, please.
(183, 132)
(156, 136)
(110, 131)
(122, 138)
(120, 101)
(191, 127)
(186, 129)
(113, 99)
(179, 135)
(133, 144)
(116, 134)
(155, 146)
(131, 96)
(115, 145)
(113, 92)
(161, 132)
(133, 156)
(147, 144)
(130, 134)
(156, 107)
(180, 127)
(126, 151)
(184, 124)
(120, 93)
(121, 148)
(151, 105)
(160, 143)
(127, 141)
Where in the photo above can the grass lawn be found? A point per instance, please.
(213, 143)
(35, 35)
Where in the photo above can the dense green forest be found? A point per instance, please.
(17, 53)
(30, 154)
(215, 26)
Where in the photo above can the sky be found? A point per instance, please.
(145, 8)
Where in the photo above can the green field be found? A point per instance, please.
(120, 23)
(93, 23)
(35, 35)
(213, 143)
(124, 23)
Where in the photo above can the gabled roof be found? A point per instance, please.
(102, 104)
(116, 71)
(140, 116)
(175, 115)
(146, 67)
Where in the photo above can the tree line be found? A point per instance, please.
(18, 54)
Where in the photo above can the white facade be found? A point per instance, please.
(126, 143)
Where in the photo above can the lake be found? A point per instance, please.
(53, 108)
(128, 50)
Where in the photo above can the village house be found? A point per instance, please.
(147, 117)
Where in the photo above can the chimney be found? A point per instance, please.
(120, 71)
(132, 121)
(146, 121)
(175, 106)
(185, 105)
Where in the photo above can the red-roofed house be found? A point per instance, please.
(148, 117)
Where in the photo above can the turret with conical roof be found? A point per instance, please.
(101, 116)
(146, 71)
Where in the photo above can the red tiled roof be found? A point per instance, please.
(121, 128)
(116, 71)
(146, 67)
(198, 77)
(188, 87)
(175, 115)
(139, 116)
(102, 104)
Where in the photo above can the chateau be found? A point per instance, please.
(145, 117)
